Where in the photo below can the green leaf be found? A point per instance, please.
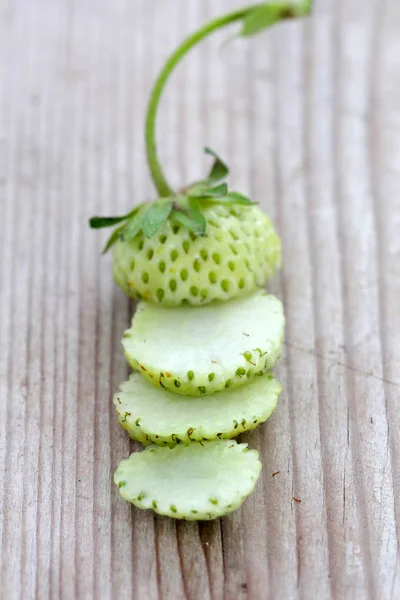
(116, 235)
(155, 216)
(265, 15)
(233, 198)
(203, 191)
(195, 224)
(132, 227)
(99, 222)
(219, 170)
(193, 220)
(236, 198)
(195, 213)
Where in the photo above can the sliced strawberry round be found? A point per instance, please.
(196, 351)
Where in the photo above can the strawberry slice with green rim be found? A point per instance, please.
(196, 481)
(153, 415)
(196, 351)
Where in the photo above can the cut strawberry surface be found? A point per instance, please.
(190, 481)
(152, 415)
(195, 351)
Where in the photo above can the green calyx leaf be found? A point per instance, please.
(146, 218)
(187, 212)
(234, 198)
(128, 230)
(194, 221)
(155, 216)
(219, 170)
(264, 15)
(196, 214)
(149, 218)
(100, 222)
(184, 208)
(205, 188)
(132, 226)
(114, 237)
(218, 194)
(202, 190)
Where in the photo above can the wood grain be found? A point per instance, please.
(308, 116)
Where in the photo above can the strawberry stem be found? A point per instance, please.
(154, 164)
(265, 15)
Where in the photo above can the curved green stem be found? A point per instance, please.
(261, 16)
(154, 164)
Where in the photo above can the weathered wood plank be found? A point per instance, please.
(308, 117)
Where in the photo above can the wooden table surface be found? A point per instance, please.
(308, 117)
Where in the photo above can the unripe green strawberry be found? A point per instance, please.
(239, 253)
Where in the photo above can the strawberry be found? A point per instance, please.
(240, 252)
(191, 248)
(202, 244)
